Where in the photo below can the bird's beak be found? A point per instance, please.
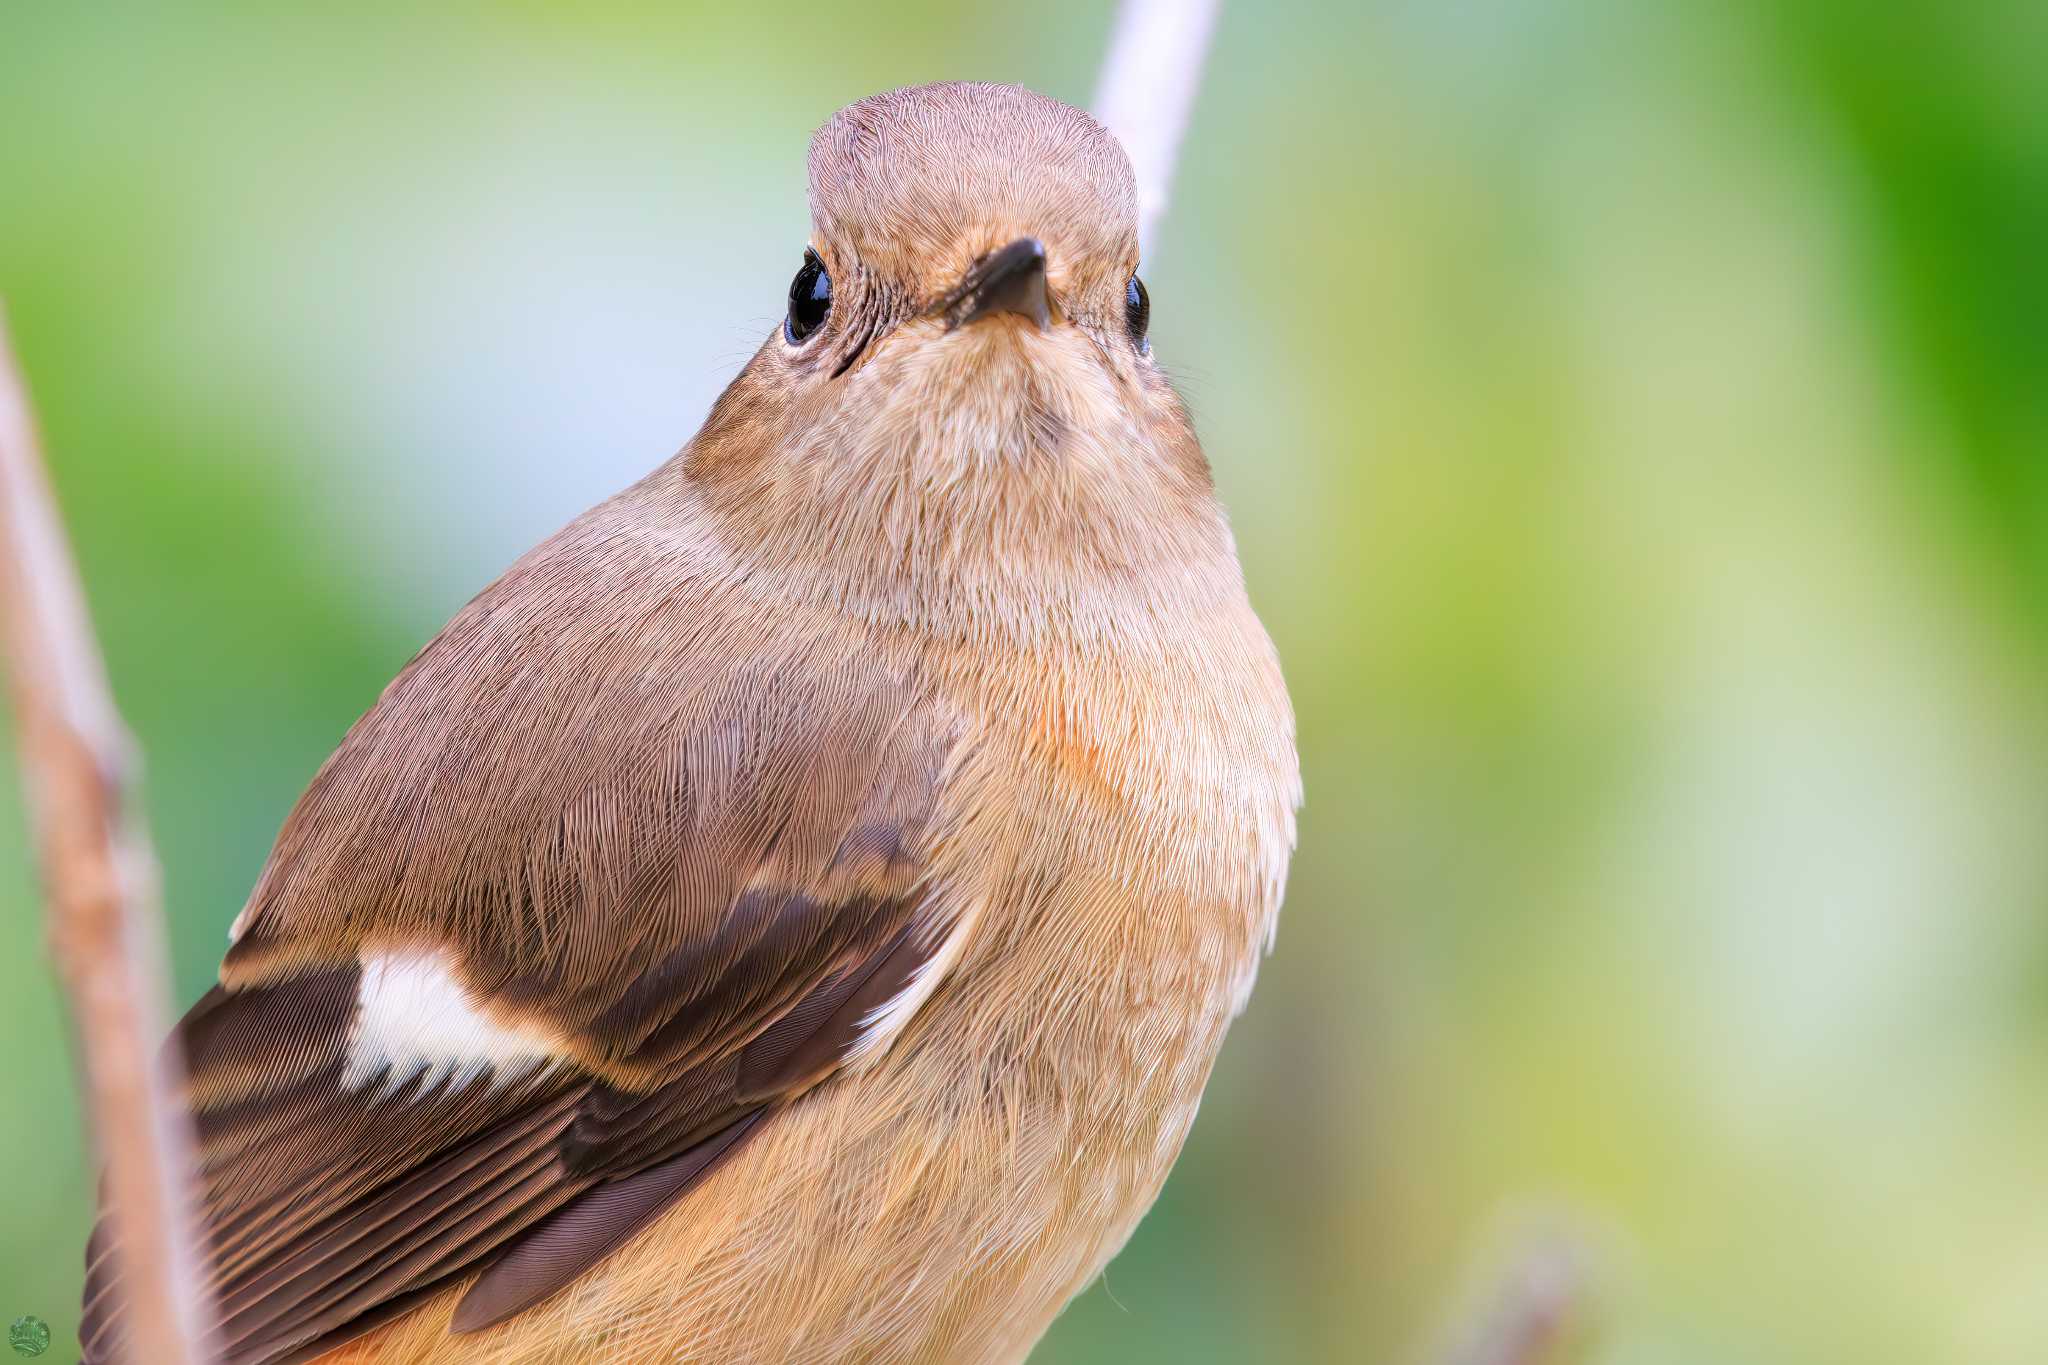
(1011, 280)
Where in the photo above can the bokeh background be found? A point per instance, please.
(1635, 419)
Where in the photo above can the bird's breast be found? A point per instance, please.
(1133, 816)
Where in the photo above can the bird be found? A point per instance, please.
(793, 913)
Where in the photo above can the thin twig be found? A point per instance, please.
(100, 879)
(1532, 1309)
(1148, 89)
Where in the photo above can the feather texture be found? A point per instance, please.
(391, 1087)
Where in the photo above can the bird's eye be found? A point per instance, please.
(1138, 313)
(810, 298)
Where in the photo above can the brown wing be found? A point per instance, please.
(591, 891)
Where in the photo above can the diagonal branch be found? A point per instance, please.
(100, 879)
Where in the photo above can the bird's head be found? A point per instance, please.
(965, 357)
(944, 206)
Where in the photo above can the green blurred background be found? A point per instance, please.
(1635, 419)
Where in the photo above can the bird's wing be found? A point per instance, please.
(541, 944)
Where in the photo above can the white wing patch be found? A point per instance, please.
(882, 1023)
(413, 1016)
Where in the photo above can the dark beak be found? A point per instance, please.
(1011, 280)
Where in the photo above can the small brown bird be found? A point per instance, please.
(791, 915)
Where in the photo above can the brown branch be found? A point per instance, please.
(100, 880)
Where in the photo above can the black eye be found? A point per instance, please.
(810, 298)
(1138, 313)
